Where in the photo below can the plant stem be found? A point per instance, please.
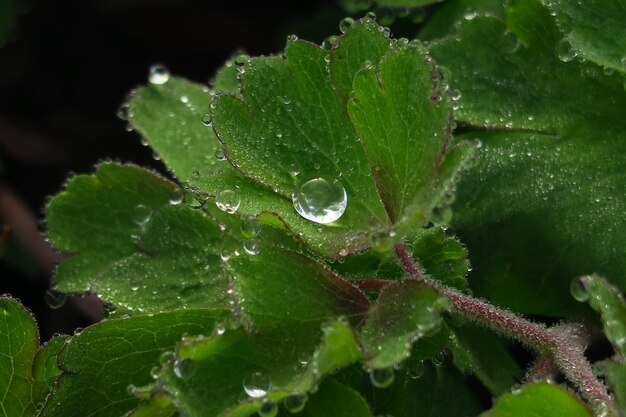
(559, 344)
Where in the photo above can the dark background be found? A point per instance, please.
(66, 66)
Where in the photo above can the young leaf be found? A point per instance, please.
(538, 208)
(615, 373)
(609, 302)
(595, 29)
(100, 363)
(27, 371)
(289, 133)
(403, 313)
(540, 400)
(132, 246)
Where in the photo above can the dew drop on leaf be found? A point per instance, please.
(250, 228)
(177, 196)
(220, 329)
(55, 299)
(345, 24)
(509, 42)
(251, 246)
(142, 214)
(578, 290)
(382, 242)
(320, 201)
(184, 368)
(220, 155)
(469, 14)
(295, 402)
(564, 51)
(206, 119)
(167, 357)
(257, 385)
(158, 74)
(416, 369)
(268, 409)
(228, 201)
(382, 377)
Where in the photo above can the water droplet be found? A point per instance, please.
(416, 369)
(158, 74)
(225, 256)
(155, 372)
(441, 216)
(167, 357)
(268, 409)
(320, 201)
(220, 329)
(469, 14)
(228, 201)
(55, 299)
(184, 368)
(250, 228)
(257, 385)
(578, 290)
(509, 42)
(565, 51)
(177, 196)
(286, 100)
(251, 246)
(142, 214)
(455, 95)
(345, 24)
(206, 119)
(241, 59)
(294, 170)
(295, 402)
(382, 242)
(382, 378)
(220, 155)
(371, 16)
(608, 71)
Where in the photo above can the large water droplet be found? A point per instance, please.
(142, 214)
(55, 299)
(250, 228)
(158, 74)
(184, 368)
(565, 51)
(228, 201)
(268, 409)
(320, 201)
(177, 196)
(345, 24)
(251, 246)
(578, 290)
(382, 377)
(257, 385)
(295, 402)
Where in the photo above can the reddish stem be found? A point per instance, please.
(407, 261)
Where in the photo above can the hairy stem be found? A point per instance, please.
(562, 345)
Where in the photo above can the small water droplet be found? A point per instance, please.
(371, 16)
(167, 357)
(220, 155)
(220, 329)
(225, 256)
(320, 201)
(155, 372)
(177, 196)
(286, 101)
(509, 42)
(455, 95)
(184, 368)
(382, 377)
(55, 299)
(564, 51)
(206, 119)
(257, 385)
(158, 74)
(469, 14)
(142, 214)
(295, 402)
(228, 201)
(416, 369)
(250, 228)
(382, 242)
(241, 59)
(578, 290)
(268, 409)
(345, 24)
(251, 246)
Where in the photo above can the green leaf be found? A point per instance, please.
(27, 371)
(615, 374)
(337, 400)
(609, 302)
(291, 119)
(539, 400)
(595, 29)
(438, 390)
(7, 17)
(443, 21)
(170, 118)
(288, 305)
(478, 351)
(404, 312)
(539, 208)
(161, 257)
(101, 362)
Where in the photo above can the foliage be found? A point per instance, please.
(307, 254)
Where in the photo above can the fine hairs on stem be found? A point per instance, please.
(560, 347)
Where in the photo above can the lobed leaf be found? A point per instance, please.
(27, 370)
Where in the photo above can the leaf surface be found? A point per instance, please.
(27, 371)
(543, 204)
